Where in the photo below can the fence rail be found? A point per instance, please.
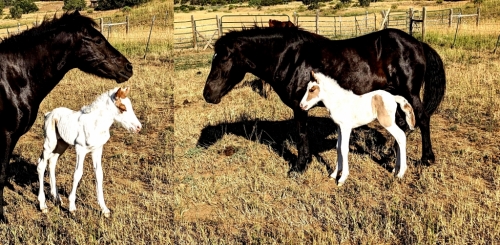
(202, 33)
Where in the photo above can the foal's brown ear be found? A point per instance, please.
(121, 93)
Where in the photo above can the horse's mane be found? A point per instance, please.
(256, 33)
(71, 22)
(98, 103)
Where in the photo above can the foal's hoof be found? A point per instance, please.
(45, 210)
(106, 214)
(339, 184)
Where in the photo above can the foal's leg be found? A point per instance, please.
(338, 166)
(60, 149)
(49, 145)
(96, 160)
(80, 158)
(401, 150)
(342, 152)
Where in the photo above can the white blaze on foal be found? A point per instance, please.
(349, 111)
(88, 130)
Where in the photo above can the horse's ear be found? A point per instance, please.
(120, 94)
(314, 76)
(127, 90)
(76, 12)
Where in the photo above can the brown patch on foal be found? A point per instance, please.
(407, 107)
(313, 92)
(121, 94)
(382, 114)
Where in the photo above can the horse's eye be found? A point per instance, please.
(98, 41)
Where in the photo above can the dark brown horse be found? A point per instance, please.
(32, 64)
(284, 57)
(277, 23)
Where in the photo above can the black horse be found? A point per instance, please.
(389, 59)
(33, 62)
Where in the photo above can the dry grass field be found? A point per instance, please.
(231, 183)
(136, 167)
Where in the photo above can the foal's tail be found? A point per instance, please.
(406, 107)
(434, 80)
(50, 125)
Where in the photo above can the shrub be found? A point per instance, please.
(364, 3)
(117, 4)
(74, 4)
(26, 6)
(126, 9)
(15, 12)
(2, 5)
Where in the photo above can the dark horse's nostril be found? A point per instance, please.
(128, 66)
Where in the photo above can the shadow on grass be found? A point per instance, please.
(277, 134)
(25, 174)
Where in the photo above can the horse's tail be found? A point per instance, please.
(50, 125)
(434, 80)
(406, 107)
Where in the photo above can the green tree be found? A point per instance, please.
(15, 12)
(2, 5)
(74, 4)
(117, 4)
(364, 3)
(26, 6)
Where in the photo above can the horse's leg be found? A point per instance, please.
(304, 154)
(7, 143)
(400, 137)
(423, 121)
(80, 158)
(58, 151)
(342, 153)
(338, 165)
(96, 160)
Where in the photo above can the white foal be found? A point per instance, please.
(88, 130)
(349, 111)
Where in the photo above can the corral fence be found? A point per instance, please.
(137, 35)
(202, 33)
(337, 26)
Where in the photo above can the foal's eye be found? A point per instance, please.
(312, 89)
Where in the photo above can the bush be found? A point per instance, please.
(117, 4)
(74, 4)
(2, 5)
(15, 12)
(364, 3)
(26, 6)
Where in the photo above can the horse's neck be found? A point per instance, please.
(102, 117)
(335, 96)
(41, 66)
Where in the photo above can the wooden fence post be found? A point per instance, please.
(410, 27)
(477, 17)
(340, 25)
(126, 25)
(317, 21)
(424, 16)
(193, 28)
(451, 18)
(101, 24)
(366, 19)
(295, 18)
(217, 22)
(375, 22)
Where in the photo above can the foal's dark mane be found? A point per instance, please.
(46, 30)
(262, 34)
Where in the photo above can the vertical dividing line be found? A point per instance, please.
(149, 38)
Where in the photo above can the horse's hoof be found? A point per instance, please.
(106, 214)
(4, 220)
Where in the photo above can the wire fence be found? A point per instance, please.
(133, 36)
(202, 33)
